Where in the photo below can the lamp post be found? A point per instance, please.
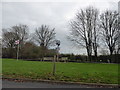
(58, 48)
(56, 57)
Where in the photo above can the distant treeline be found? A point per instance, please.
(28, 51)
(35, 53)
(101, 58)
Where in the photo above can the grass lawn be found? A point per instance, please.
(77, 72)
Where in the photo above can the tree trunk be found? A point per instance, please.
(89, 55)
(95, 54)
(111, 54)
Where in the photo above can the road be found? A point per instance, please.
(13, 84)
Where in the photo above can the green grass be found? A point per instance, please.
(77, 72)
(0, 68)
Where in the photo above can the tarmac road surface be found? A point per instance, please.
(14, 84)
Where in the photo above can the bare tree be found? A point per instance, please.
(18, 32)
(44, 36)
(83, 30)
(21, 32)
(117, 47)
(10, 35)
(8, 39)
(110, 31)
(118, 40)
(95, 32)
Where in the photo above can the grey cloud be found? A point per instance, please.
(56, 15)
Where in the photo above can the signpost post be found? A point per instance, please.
(17, 43)
(17, 52)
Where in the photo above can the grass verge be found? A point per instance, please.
(75, 72)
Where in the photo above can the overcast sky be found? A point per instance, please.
(54, 13)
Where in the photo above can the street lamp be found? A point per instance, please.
(58, 42)
(56, 56)
(58, 48)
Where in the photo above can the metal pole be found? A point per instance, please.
(56, 56)
(54, 66)
(57, 53)
(17, 52)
